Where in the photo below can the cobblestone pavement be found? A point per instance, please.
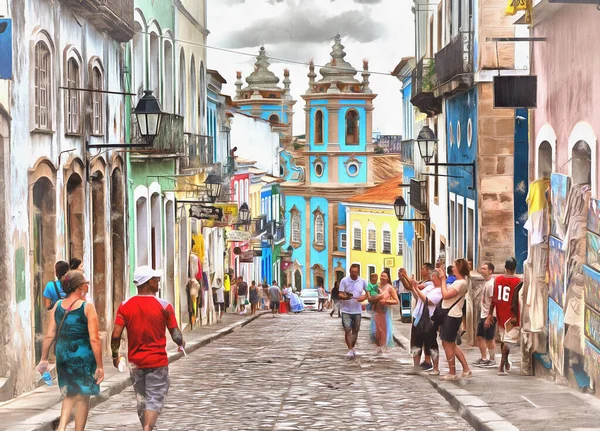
(289, 373)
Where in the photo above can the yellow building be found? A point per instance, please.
(375, 236)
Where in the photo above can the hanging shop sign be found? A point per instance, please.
(515, 91)
(206, 212)
(238, 235)
(229, 217)
(6, 50)
(249, 255)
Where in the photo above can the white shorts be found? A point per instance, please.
(510, 337)
(241, 299)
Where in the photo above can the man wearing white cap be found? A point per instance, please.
(146, 317)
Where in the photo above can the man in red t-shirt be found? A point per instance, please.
(146, 318)
(505, 301)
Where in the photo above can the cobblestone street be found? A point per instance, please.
(289, 373)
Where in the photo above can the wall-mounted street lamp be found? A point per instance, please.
(214, 184)
(400, 210)
(427, 143)
(244, 214)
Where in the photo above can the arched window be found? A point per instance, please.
(138, 60)
(371, 237)
(168, 85)
(386, 239)
(72, 97)
(582, 163)
(544, 160)
(193, 96)
(42, 82)
(352, 127)
(202, 98)
(154, 63)
(319, 226)
(97, 97)
(319, 127)
(356, 236)
(295, 238)
(182, 85)
(274, 119)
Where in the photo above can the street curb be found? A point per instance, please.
(472, 409)
(120, 384)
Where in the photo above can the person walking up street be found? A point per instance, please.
(352, 293)
(506, 303)
(220, 303)
(53, 291)
(486, 333)
(227, 290)
(275, 297)
(335, 298)
(242, 292)
(453, 299)
(266, 301)
(322, 298)
(381, 321)
(253, 297)
(146, 319)
(422, 334)
(74, 325)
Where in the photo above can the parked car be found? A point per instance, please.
(310, 298)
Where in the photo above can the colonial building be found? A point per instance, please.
(335, 164)
(65, 198)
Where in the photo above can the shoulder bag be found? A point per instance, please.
(425, 324)
(62, 321)
(439, 314)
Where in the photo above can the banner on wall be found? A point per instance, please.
(556, 330)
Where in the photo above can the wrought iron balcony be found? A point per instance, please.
(455, 60)
(422, 85)
(198, 151)
(406, 151)
(169, 142)
(114, 17)
(229, 167)
(279, 234)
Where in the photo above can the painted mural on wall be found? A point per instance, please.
(556, 268)
(559, 185)
(593, 221)
(556, 329)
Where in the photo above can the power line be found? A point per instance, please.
(283, 60)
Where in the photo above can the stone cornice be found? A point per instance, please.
(190, 17)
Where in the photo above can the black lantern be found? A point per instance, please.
(244, 213)
(149, 115)
(400, 207)
(270, 239)
(213, 187)
(427, 142)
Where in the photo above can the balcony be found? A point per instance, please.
(229, 167)
(423, 83)
(169, 142)
(279, 234)
(406, 152)
(198, 152)
(418, 195)
(454, 64)
(114, 17)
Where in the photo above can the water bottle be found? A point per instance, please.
(47, 378)
(122, 364)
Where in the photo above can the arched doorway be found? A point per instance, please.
(99, 246)
(318, 276)
(75, 215)
(298, 280)
(170, 251)
(581, 163)
(43, 233)
(183, 268)
(117, 234)
(141, 231)
(155, 231)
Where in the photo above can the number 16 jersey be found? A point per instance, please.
(505, 288)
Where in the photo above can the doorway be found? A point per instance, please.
(117, 235)
(99, 247)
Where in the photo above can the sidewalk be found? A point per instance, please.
(514, 402)
(39, 410)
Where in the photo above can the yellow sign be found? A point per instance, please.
(515, 6)
(230, 215)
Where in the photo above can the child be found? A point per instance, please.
(372, 290)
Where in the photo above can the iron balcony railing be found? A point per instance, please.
(406, 151)
(279, 234)
(423, 77)
(169, 141)
(418, 195)
(229, 167)
(114, 17)
(198, 151)
(456, 58)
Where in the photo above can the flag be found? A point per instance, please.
(515, 6)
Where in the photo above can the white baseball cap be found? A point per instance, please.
(144, 273)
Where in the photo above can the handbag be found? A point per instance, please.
(439, 314)
(425, 325)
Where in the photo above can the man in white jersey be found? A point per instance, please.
(352, 293)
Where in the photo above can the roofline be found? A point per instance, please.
(403, 62)
(217, 75)
(368, 205)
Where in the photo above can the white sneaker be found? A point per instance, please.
(356, 352)
(378, 352)
(350, 354)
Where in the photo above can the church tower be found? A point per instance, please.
(334, 165)
(264, 98)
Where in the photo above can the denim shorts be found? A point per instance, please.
(351, 322)
(151, 386)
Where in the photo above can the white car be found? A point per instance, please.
(310, 298)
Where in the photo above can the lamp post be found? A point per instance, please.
(400, 210)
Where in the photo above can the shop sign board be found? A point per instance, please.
(206, 212)
(238, 235)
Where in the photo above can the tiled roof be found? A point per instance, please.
(382, 194)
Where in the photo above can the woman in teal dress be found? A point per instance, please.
(78, 350)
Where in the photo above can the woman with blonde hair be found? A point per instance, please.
(453, 300)
(381, 321)
(74, 327)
